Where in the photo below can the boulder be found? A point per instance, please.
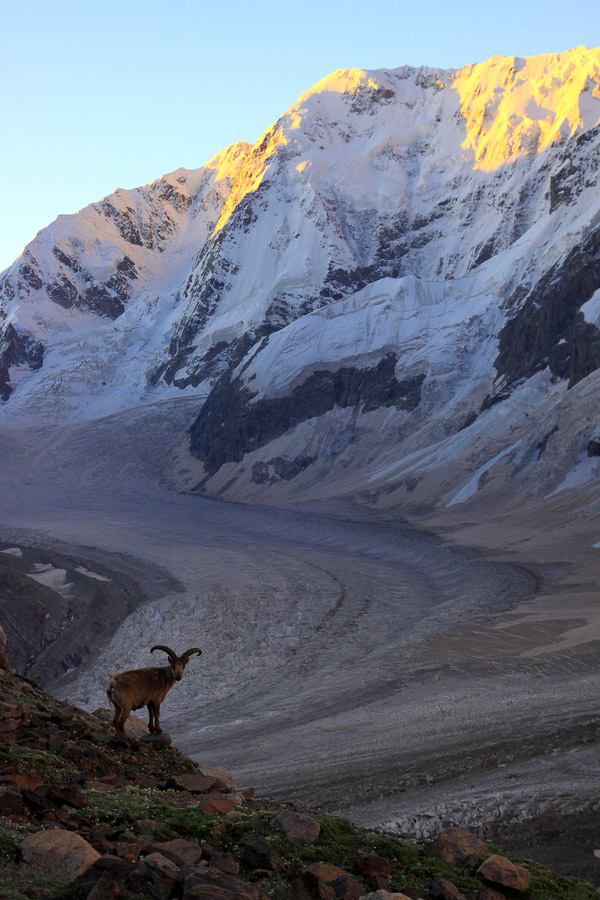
(102, 881)
(500, 870)
(330, 881)
(58, 852)
(373, 865)
(258, 853)
(225, 862)
(489, 894)
(216, 805)
(458, 845)
(442, 889)
(62, 714)
(131, 850)
(63, 795)
(209, 884)
(155, 877)
(180, 851)
(221, 774)
(11, 803)
(298, 827)
(195, 784)
(146, 826)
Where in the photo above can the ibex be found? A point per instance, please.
(135, 688)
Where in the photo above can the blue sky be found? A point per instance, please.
(114, 94)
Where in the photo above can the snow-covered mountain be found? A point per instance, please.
(395, 291)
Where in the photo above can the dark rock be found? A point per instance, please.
(298, 827)
(593, 448)
(180, 851)
(36, 802)
(209, 884)
(500, 870)
(64, 795)
(230, 425)
(156, 741)
(222, 775)
(280, 469)
(125, 818)
(373, 865)
(541, 447)
(146, 826)
(62, 714)
(196, 784)
(225, 862)
(16, 348)
(132, 850)
(489, 894)
(258, 853)
(102, 881)
(296, 890)
(215, 805)
(547, 328)
(442, 889)
(329, 882)
(11, 803)
(457, 845)
(156, 877)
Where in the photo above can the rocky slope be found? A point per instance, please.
(83, 815)
(395, 290)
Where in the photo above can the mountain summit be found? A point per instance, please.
(396, 289)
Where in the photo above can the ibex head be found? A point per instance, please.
(177, 663)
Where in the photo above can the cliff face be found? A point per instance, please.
(445, 220)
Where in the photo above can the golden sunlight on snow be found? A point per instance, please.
(510, 107)
(516, 106)
(247, 173)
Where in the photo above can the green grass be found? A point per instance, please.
(339, 844)
(27, 761)
(14, 881)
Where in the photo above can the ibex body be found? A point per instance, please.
(135, 688)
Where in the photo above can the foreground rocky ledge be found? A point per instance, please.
(85, 816)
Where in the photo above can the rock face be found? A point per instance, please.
(58, 852)
(373, 295)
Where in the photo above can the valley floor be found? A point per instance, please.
(351, 660)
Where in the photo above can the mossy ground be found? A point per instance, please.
(178, 815)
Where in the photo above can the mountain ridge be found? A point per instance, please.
(479, 180)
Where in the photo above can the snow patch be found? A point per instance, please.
(582, 474)
(55, 579)
(83, 571)
(472, 485)
(591, 309)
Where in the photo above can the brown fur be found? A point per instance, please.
(148, 687)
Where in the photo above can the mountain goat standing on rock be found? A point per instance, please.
(135, 688)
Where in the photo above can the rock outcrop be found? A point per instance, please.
(85, 816)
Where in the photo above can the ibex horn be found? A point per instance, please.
(185, 656)
(171, 653)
